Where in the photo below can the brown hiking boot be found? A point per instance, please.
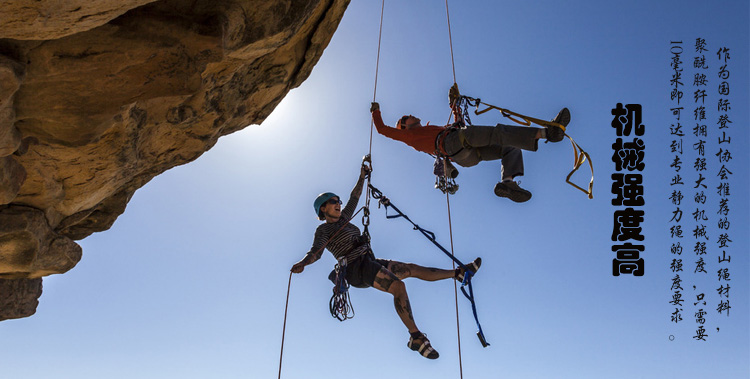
(511, 190)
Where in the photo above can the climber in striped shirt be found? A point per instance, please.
(344, 240)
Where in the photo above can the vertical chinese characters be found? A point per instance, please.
(702, 168)
(723, 175)
(700, 234)
(627, 186)
(677, 134)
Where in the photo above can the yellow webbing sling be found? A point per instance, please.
(580, 155)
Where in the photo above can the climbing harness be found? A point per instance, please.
(580, 156)
(385, 202)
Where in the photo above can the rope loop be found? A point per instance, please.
(340, 304)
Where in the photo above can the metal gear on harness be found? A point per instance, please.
(340, 304)
(445, 175)
(459, 106)
(367, 165)
(445, 172)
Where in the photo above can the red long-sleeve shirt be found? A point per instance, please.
(421, 138)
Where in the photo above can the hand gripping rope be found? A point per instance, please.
(377, 194)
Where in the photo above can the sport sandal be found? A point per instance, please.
(422, 345)
(473, 267)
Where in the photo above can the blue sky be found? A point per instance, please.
(191, 281)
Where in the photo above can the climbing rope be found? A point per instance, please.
(367, 158)
(454, 186)
(283, 330)
(286, 307)
(455, 292)
(340, 305)
(377, 69)
(450, 40)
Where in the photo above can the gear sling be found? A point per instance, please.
(377, 194)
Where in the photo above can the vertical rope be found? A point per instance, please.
(455, 284)
(447, 199)
(377, 68)
(283, 331)
(372, 123)
(450, 40)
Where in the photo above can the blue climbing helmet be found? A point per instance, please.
(320, 200)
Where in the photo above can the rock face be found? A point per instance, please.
(97, 97)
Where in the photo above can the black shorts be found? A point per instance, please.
(361, 272)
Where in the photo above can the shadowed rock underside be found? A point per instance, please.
(97, 97)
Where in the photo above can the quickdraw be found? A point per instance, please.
(367, 164)
(382, 200)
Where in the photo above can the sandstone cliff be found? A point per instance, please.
(97, 97)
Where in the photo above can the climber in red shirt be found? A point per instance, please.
(476, 143)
